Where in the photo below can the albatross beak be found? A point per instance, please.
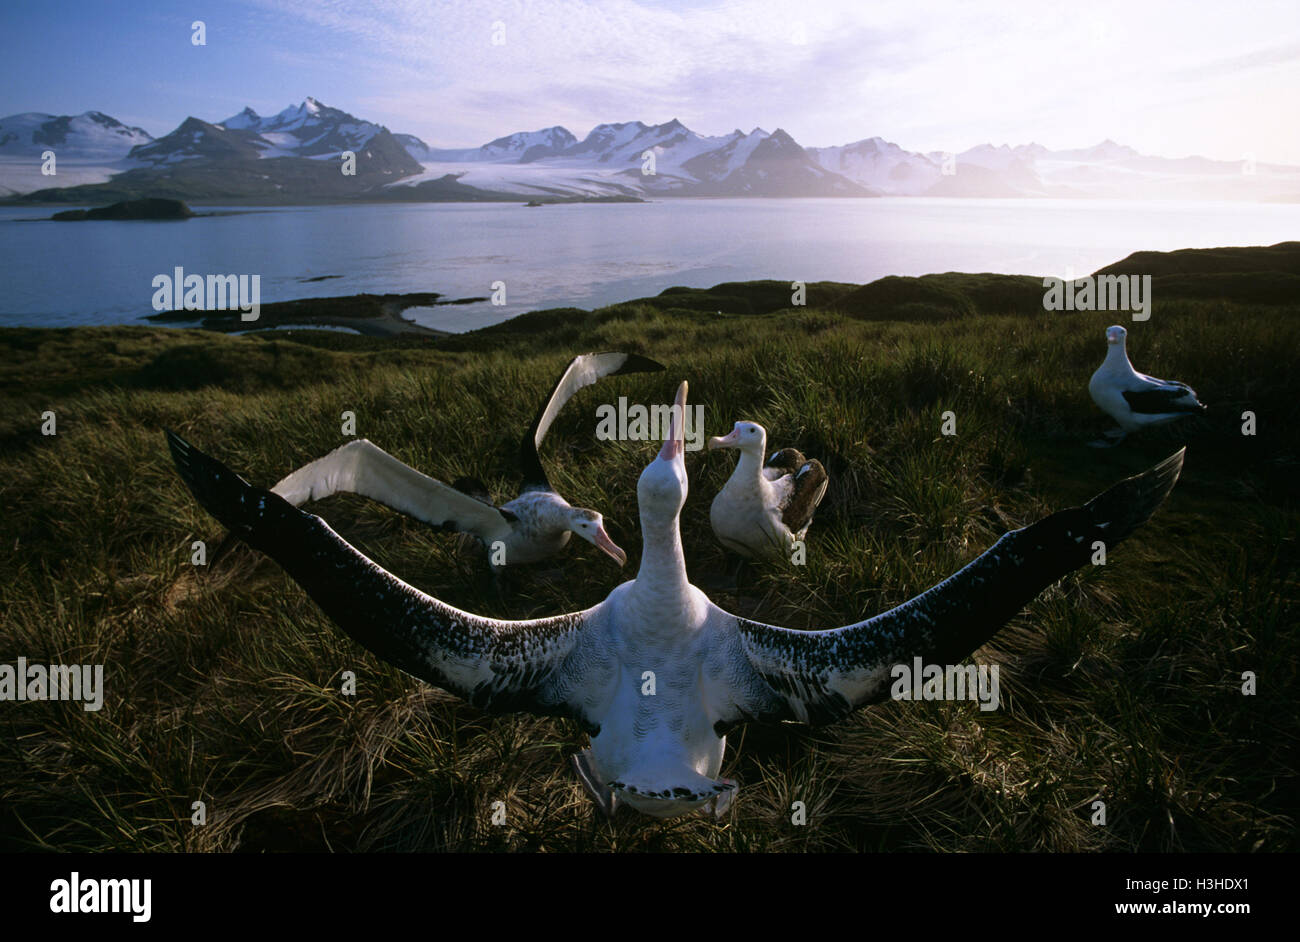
(602, 540)
(676, 430)
(730, 440)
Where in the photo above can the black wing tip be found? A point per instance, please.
(631, 363)
(1125, 506)
(192, 464)
(635, 363)
(174, 441)
(240, 506)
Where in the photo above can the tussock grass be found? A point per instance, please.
(1122, 683)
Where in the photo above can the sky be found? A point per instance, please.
(1216, 79)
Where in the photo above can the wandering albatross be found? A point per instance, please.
(659, 748)
(764, 508)
(532, 527)
(1135, 400)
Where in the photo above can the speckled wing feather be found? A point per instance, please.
(498, 666)
(582, 371)
(819, 676)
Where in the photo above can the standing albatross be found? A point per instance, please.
(656, 674)
(533, 526)
(764, 508)
(1135, 400)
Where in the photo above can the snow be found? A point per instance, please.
(23, 174)
(744, 147)
(609, 159)
(528, 180)
(245, 120)
(881, 165)
(516, 145)
(89, 135)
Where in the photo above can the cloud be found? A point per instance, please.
(930, 75)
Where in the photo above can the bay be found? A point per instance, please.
(585, 255)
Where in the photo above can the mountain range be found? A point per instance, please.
(297, 154)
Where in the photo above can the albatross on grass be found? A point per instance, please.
(532, 527)
(764, 508)
(656, 674)
(1135, 400)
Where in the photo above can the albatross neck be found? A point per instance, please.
(750, 466)
(1117, 357)
(663, 564)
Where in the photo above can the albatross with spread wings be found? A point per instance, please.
(533, 526)
(661, 752)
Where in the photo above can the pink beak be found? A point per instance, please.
(730, 440)
(673, 444)
(603, 541)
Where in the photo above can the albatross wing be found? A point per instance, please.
(582, 371)
(1163, 398)
(498, 666)
(806, 493)
(816, 677)
(362, 468)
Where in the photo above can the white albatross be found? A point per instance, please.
(656, 674)
(532, 527)
(1135, 400)
(764, 508)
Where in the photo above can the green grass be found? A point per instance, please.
(1121, 683)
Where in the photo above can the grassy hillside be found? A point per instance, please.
(1120, 683)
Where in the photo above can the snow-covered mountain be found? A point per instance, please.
(91, 135)
(1106, 150)
(1107, 169)
(413, 145)
(637, 159)
(625, 145)
(196, 139)
(88, 148)
(309, 129)
(519, 147)
(528, 145)
(881, 165)
(249, 155)
(290, 155)
(762, 164)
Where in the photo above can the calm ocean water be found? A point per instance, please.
(586, 255)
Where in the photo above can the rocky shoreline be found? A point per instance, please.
(375, 315)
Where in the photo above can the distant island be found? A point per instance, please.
(149, 208)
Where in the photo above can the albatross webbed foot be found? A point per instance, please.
(602, 795)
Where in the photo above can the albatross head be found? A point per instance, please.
(590, 525)
(747, 436)
(1115, 335)
(661, 490)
